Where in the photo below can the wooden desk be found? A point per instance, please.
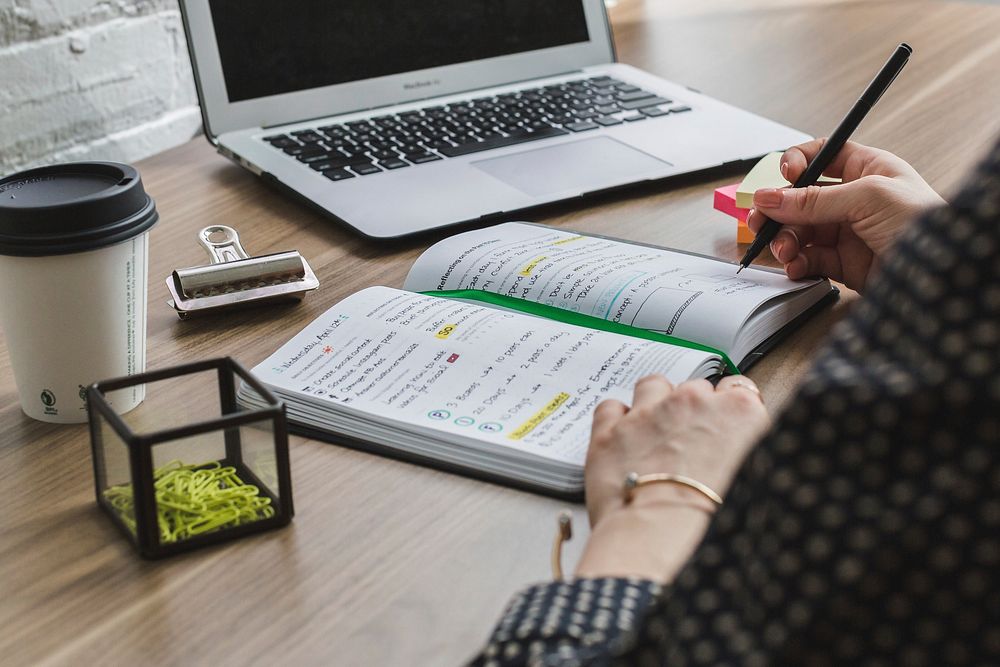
(388, 563)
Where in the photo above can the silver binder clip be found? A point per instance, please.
(234, 278)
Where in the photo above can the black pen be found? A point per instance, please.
(825, 156)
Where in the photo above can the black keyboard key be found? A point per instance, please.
(632, 119)
(384, 155)
(310, 153)
(608, 120)
(281, 141)
(338, 143)
(652, 112)
(582, 126)
(608, 108)
(584, 115)
(393, 164)
(324, 164)
(309, 158)
(364, 169)
(570, 116)
(536, 125)
(336, 161)
(338, 174)
(420, 158)
(647, 102)
(626, 88)
(634, 95)
(309, 137)
(353, 151)
(327, 129)
(409, 148)
(679, 108)
(516, 137)
(439, 144)
(304, 151)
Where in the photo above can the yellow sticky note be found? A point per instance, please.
(766, 174)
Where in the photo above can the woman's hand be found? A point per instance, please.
(695, 430)
(841, 231)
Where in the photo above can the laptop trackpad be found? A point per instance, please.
(581, 165)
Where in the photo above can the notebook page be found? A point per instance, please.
(689, 297)
(451, 367)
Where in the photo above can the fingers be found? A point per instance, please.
(815, 261)
(786, 244)
(792, 238)
(814, 205)
(651, 389)
(791, 246)
(797, 158)
(607, 413)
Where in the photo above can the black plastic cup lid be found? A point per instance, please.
(74, 207)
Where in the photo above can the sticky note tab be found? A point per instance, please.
(766, 174)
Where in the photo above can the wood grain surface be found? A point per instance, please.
(393, 564)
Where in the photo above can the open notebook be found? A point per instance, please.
(493, 358)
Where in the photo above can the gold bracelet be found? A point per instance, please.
(633, 481)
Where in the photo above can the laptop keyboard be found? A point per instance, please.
(365, 147)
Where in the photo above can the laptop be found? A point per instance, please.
(397, 116)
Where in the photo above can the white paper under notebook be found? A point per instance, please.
(485, 390)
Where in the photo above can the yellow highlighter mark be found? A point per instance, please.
(569, 240)
(446, 331)
(540, 416)
(526, 271)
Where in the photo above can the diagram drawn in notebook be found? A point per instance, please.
(662, 301)
(659, 302)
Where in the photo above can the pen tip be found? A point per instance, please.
(742, 266)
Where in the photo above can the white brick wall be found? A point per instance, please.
(92, 79)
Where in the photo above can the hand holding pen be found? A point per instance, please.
(841, 231)
(806, 209)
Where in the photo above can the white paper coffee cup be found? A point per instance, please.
(73, 273)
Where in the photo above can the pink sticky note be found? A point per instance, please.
(725, 201)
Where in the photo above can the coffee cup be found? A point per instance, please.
(73, 269)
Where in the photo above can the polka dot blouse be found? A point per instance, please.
(865, 528)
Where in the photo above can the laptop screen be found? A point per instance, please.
(270, 48)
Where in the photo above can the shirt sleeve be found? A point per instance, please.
(583, 621)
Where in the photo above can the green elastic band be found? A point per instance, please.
(578, 319)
